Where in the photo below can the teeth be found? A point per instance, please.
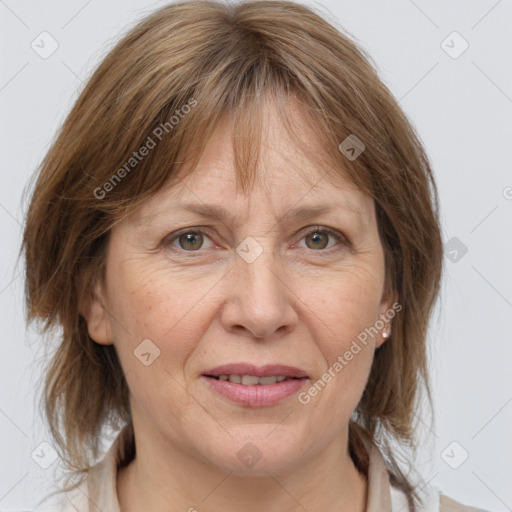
(251, 380)
(267, 380)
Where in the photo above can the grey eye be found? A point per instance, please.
(191, 240)
(319, 239)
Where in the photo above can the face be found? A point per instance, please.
(186, 293)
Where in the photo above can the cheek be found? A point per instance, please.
(346, 304)
(156, 303)
(343, 313)
(151, 303)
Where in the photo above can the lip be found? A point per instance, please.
(258, 371)
(257, 395)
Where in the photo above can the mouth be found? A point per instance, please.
(252, 380)
(252, 386)
(279, 371)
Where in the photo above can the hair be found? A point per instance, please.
(179, 71)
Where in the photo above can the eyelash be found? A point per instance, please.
(167, 242)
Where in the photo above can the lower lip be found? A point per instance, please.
(257, 395)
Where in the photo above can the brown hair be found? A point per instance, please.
(224, 59)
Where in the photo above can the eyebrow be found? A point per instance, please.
(297, 213)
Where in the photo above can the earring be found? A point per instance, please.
(384, 334)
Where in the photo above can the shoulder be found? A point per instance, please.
(97, 490)
(447, 504)
(74, 500)
(432, 500)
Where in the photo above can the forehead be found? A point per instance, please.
(287, 179)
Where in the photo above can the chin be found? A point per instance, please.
(257, 455)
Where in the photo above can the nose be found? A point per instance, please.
(260, 301)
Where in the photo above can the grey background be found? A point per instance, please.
(462, 109)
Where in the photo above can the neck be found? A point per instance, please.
(161, 474)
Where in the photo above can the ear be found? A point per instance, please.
(93, 309)
(389, 307)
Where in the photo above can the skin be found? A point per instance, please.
(203, 305)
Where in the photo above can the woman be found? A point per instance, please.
(237, 231)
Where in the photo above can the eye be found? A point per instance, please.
(192, 240)
(189, 241)
(317, 239)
